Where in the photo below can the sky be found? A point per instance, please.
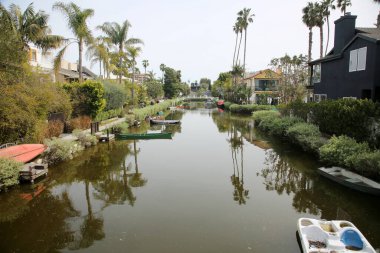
(196, 36)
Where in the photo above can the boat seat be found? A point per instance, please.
(351, 238)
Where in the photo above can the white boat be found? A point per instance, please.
(336, 236)
(351, 180)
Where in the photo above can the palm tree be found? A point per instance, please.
(118, 35)
(162, 68)
(327, 5)
(133, 53)
(245, 18)
(319, 22)
(145, 64)
(31, 27)
(77, 23)
(98, 52)
(343, 4)
(236, 29)
(308, 19)
(239, 26)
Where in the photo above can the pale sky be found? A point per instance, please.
(196, 36)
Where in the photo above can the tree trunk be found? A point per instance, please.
(120, 62)
(310, 42)
(89, 207)
(321, 41)
(245, 47)
(135, 153)
(233, 60)
(100, 69)
(80, 60)
(133, 84)
(328, 34)
(237, 57)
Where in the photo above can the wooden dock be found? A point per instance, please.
(32, 171)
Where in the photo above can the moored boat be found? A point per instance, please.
(23, 153)
(144, 136)
(220, 104)
(164, 122)
(351, 180)
(331, 236)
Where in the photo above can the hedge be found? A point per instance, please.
(9, 172)
(307, 136)
(249, 109)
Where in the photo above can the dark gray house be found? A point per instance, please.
(352, 67)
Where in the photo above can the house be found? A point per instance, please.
(264, 85)
(69, 72)
(194, 87)
(352, 67)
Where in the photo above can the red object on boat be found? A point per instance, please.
(23, 153)
(220, 103)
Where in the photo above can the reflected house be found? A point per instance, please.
(351, 68)
(264, 85)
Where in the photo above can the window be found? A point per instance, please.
(358, 58)
(319, 97)
(317, 73)
(266, 85)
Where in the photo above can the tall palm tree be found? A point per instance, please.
(236, 29)
(239, 26)
(245, 18)
(133, 53)
(308, 18)
(77, 23)
(118, 35)
(145, 64)
(162, 68)
(97, 52)
(319, 22)
(31, 27)
(326, 6)
(343, 4)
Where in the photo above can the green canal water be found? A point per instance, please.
(218, 186)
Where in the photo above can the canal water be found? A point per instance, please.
(217, 186)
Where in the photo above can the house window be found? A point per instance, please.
(317, 73)
(319, 97)
(33, 55)
(266, 85)
(358, 58)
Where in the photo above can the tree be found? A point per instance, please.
(114, 94)
(239, 27)
(343, 4)
(118, 35)
(77, 23)
(133, 53)
(245, 18)
(31, 27)
(236, 28)
(319, 11)
(162, 68)
(308, 19)
(154, 89)
(205, 83)
(145, 64)
(172, 81)
(327, 5)
(98, 52)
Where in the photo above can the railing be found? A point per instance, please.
(7, 145)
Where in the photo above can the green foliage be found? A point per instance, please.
(249, 109)
(141, 113)
(258, 116)
(115, 95)
(86, 97)
(227, 105)
(338, 149)
(154, 89)
(60, 150)
(85, 139)
(367, 163)
(307, 136)
(121, 128)
(280, 125)
(172, 82)
(9, 172)
(109, 114)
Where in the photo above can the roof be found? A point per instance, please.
(75, 74)
(264, 74)
(372, 33)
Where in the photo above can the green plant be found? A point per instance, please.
(82, 122)
(54, 129)
(258, 116)
(85, 139)
(60, 150)
(248, 109)
(227, 105)
(9, 172)
(338, 149)
(367, 164)
(280, 125)
(307, 136)
(120, 128)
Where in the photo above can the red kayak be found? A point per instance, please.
(23, 153)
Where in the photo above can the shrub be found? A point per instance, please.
(141, 113)
(258, 116)
(280, 125)
(9, 172)
(307, 136)
(248, 109)
(109, 114)
(227, 105)
(367, 164)
(60, 150)
(120, 128)
(338, 149)
(85, 139)
(82, 122)
(54, 129)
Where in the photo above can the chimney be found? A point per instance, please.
(344, 31)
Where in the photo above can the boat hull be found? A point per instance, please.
(350, 180)
(23, 153)
(146, 136)
(164, 122)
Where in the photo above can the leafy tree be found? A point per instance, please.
(184, 89)
(133, 53)
(205, 83)
(86, 97)
(118, 35)
(294, 76)
(308, 19)
(98, 52)
(172, 80)
(343, 4)
(245, 18)
(154, 89)
(77, 23)
(114, 95)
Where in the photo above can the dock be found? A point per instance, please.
(32, 171)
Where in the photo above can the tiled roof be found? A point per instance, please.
(373, 33)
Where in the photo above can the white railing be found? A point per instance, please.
(6, 145)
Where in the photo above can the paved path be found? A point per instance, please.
(71, 137)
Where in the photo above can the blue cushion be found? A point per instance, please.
(351, 238)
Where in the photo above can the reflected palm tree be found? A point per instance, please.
(136, 180)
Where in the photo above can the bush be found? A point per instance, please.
(9, 172)
(120, 128)
(54, 129)
(110, 114)
(141, 113)
(307, 136)
(85, 139)
(280, 125)
(248, 109)
(82, 122)
(338, 149)
(367, 164)
(60, 150)
(227, 105)
(258, 116)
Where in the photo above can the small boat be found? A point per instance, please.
(23, 153)
(351, 180)
(220, 104)
(32, 171)
(145, 136)
(164, 122)
(331, 236)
